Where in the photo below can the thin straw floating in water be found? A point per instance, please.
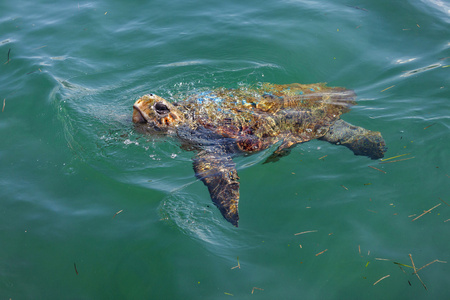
(381, 279)
(117, 213)
(415, 272)
(387, 162)
(436, 260)
(385, 159)
(306, 232)
(322, 252)
(426, 211)
(377, 169)
(388, 88)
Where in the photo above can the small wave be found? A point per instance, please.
(443, 6)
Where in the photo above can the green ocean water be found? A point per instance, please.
(92, 209)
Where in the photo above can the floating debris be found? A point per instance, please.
(426, 211)
(388, 162)
(4, 103)
(385, 159)
(322, 157)
(344, 187)
(75, 266)
(429, 126)
(33, 72)
(436, 260)
(399, 264)
(40, 47)
(412, 267)
(443, 201)
(387, 88)
(306, 232)
(117, 213)
(256, 288)
(415, 271)
(322, 252)
(409, 282)
(238, 264)
(7, 61)
(377, 169)
(384, 277)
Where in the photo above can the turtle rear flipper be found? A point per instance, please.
(218, 172)
(361, 141)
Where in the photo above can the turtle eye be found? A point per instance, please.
(161, 108)
(151, 95)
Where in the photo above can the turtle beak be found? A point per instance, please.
(138, 116)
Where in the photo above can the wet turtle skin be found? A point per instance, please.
(221, 123)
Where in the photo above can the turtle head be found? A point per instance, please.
(156, 112)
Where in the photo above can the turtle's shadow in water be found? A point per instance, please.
(189, 213)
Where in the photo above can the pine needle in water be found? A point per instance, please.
(415, 272)
(303, 232)
(388, 88)
(388, 162)
(402, 265)
(238, 264)
(377, 169)
(385, 159)
(425, 212)
(256, 288)
(443, 201)
(381, 279)
(436, 260)
(117, 213)
(429, 126)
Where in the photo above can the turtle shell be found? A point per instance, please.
(256, 117)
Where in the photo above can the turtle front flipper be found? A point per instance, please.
(218, 172)
(361, 141)
(284, 149)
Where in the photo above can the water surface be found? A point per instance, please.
(92, 209)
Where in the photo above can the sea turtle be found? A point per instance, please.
(222, 123)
